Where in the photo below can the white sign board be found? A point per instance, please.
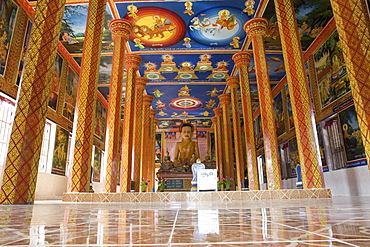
(207, 179)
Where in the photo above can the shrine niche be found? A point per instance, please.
(183, 148)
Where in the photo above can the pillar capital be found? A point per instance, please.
(214, 120)
(155, 121)
(120, 28)
(242, 58)
(217, 111)
(140, 82)
(257, 25)
(152, 113)
(225, 98)
(233, 82)
(132, 61)
(147, 99)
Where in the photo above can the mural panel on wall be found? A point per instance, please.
(331, 71)
(279, 114)
(55, 82)
(293, 156)
(71, 94)
(8, 10)
(311, 15)
(258, 132)
(72, 34)
(24, 52)
(289, 107)
(60, 151)
(352, 137)
(100, 122)
(320, 138)
(105, 70)
(97, 164)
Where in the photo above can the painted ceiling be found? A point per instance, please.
(187, 48)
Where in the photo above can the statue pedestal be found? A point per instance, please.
(176, 181)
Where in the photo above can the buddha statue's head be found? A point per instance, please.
(186, 131)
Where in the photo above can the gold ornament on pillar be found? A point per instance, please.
(132, 63)
(221, 158)
(140, 87)
(151, 149)
(256, 30)
(300, 96)
(152, 170)
(86, 98)
(355, 44)
(217, 147)
(233, 85)
(225, 100)
(147, 102)
(242, 62)
(21, 167)
(120, 32)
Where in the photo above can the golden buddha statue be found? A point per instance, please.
(186, 150)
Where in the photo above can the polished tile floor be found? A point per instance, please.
(340, 221)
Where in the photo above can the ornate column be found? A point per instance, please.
(147, 102)
(21, 168)
(132, 63)
(151, 149)
(225, 100)
(86, 98)
(217, 145)
(152, 169)
(140, 86)
(120, 32)
(233, 85)
(242, 62)
(302, 108)
(256, 29)
(355, 44)
(221, 158)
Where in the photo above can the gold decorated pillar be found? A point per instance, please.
(225, 100)
(147, 102)
(86, 98)
(242, 62)
(353, 25)
(120, 32)
(221, 157)
(132, 63)
(217, 145)
(140, 86)
(21, 168)
(151, 144)
(256, 30)
(302, 108)
(233, 85)
(152, 171)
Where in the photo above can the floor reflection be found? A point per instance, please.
(319, 222)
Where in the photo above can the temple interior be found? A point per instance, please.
(184, 123)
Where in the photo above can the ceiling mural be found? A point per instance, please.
(193, 68)
(185, 101)
(187, 47)
(186, 25)
(174, 124)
